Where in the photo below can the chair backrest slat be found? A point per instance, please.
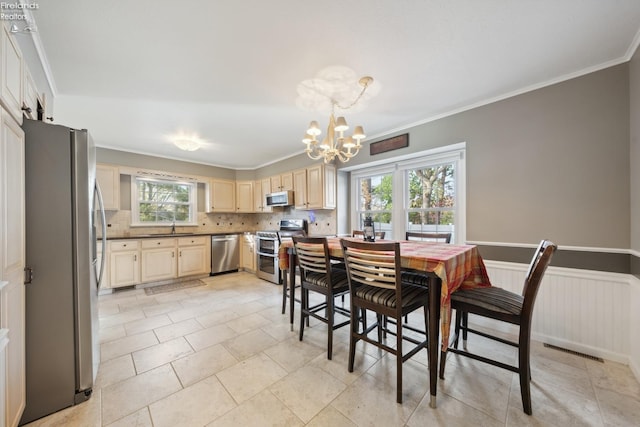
(435, 237)
(360, 233)
(373, 264)
(312, 254)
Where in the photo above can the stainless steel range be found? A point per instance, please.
(268, 242)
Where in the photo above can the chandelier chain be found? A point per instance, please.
(335, 103)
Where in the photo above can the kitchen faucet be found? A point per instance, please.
(173, 227)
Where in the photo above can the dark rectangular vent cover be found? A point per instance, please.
(575, 353)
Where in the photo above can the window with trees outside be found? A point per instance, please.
(427, 188)
(375, 200)
(431, 199)
(163, 202)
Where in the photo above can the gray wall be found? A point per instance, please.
(123, 158)
(551, 163)
(634, 153)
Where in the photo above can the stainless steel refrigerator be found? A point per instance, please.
(61, 288)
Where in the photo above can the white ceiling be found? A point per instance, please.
(134, 72)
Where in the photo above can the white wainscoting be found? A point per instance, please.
(584, 311)
(634, 336)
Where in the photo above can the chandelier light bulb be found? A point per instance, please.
(358, 133)
(341, 125)
(314, 129)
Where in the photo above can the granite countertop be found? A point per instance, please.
(168, 235)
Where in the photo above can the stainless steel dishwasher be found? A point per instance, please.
(225, 253)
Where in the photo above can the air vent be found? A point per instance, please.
(575, 353)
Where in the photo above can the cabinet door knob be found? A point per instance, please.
(135, 257)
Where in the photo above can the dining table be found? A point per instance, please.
(451, 266)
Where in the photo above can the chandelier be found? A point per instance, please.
(335, 143)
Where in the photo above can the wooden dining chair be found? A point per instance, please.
(374, 270)
(317, 275)
(360, 233)
(430, 237)
(499, 304)
(289, 291)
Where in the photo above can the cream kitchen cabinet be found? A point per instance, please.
(194, 255)
(222, 196)
(158, 259)
(11, 74)
(108, 178)
(247, 252)
(282, 182)
(262, 188)
(244, 196)
(315, 187)
(124, 263)
(12, 262)
(300, 188)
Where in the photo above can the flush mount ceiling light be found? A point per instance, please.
(187, 143)
(335, 89)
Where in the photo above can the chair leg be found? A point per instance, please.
(353, 329)
(443, 361)
(330, 320)
(284, 291)
(426, 330)
(525, 370)
(304, 305)
(465, 324)
(456, 336)
(399, 359)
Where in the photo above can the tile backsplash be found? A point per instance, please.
(321, 222)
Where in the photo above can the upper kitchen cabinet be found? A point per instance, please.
(108, 178)
(244, 196)
(282, 182)
(31, 101)
(11, 80)
(222, 196)
(315, 187)
(260, 190)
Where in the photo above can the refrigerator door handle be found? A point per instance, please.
(104, 234)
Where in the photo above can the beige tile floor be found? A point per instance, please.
(223, 355)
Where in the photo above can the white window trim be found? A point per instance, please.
(135, 208)
(455, 153)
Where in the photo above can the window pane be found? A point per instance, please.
(165, 201)
(147, 212)
(375, 193)
(431, 187)
(182, 213)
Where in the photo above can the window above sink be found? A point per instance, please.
(163, 202)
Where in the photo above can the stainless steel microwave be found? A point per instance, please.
(281, 198)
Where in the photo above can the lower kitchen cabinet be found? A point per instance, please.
(124, 263)
(131, 262)
(194, 255)
(158, 260)
(247, 252)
